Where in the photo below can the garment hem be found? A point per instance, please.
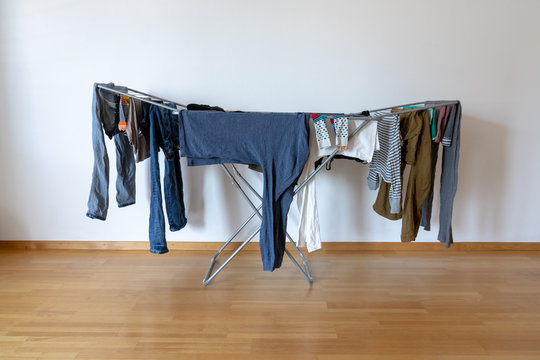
(313, 248)
(164, 251)
(177, 228)
(384, 214)
(127, 204)
(94, 216)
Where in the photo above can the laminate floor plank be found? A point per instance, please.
(118, 305)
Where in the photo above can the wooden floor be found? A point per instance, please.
(77, 304)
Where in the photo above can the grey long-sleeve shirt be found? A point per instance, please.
(449, 177)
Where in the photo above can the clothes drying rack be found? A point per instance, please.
(257, 209)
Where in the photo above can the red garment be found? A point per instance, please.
(442, 118)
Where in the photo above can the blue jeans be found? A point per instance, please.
(105, 114)
(164, 135)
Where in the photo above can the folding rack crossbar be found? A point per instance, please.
(257, 209)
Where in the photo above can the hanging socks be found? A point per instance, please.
(321, 132)
(341, 129)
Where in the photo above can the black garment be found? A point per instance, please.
(164, 135)
(254, 167)
(338, 156)
(202, 107)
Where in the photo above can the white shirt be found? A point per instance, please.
(361, 146)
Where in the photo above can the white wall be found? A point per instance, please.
(274, 56)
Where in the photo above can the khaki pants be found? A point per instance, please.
(416, 152)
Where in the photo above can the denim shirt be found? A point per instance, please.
(164, 134)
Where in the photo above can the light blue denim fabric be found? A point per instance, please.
(164, 129)
(104, 108)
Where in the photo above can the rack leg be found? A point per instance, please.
(207, 279)
(306, 273)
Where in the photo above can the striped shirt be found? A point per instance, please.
(386, 161)
(449, 129)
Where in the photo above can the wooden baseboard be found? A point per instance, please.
(214, 246)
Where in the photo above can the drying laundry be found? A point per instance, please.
(341, 130)
(416, 152)
(441, 122)
(164, 135)
(123, 110)
(278, 142)
(361, 146)
(107, 112)
(386, 161)
(321, 131)
(449, 176)
(137, 133)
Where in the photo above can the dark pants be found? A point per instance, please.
(164, 135)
